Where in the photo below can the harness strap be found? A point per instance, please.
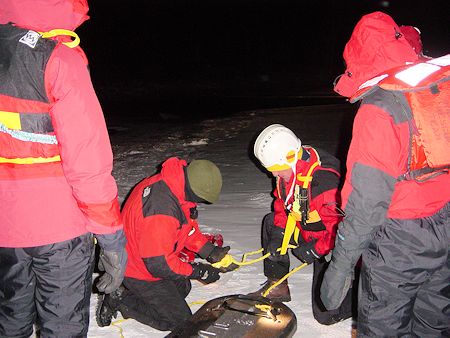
(296, 213)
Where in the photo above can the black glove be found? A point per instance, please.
(306, 252)
(113, 260)
(205, 273)
(217, 254)
(114, 264)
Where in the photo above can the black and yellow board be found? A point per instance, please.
(239, 316)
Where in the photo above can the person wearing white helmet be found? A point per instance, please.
(306, 213)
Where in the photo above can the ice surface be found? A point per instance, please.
(245, 199)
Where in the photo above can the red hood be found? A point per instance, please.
(44, 15)
(375, 46)
(412, 35)
(173, 174)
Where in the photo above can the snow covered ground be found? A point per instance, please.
(245, 199)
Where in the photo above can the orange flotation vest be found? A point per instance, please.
(426, 88)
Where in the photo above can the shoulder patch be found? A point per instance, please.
(146, 191)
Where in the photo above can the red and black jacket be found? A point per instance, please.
(380, 149)
(159, 223)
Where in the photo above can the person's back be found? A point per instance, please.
(417, 190)
(371, 56)
(56, 185)
(46, 153)
(397, 209)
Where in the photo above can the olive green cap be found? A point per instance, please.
(205, 180)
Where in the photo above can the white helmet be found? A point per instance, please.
(277, 148)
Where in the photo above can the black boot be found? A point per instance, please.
(107, 307)
(280, 293)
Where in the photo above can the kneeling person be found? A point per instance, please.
(159, 222)
(306, 189)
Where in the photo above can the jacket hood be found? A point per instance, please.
(44, 15)
(173, 174)
(412, 35)
(375, 46)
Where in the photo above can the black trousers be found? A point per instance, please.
(49, 285)
(405, 279)
(278, 268)
(160, 304)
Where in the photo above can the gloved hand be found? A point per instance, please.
(339, 275)
(205, 273)
(335, 286)
(352, 238)
(306, 252)
(114, 264)
(217, 254)
(112, 260)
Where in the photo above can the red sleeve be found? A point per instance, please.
(83, 139)
(157, 239)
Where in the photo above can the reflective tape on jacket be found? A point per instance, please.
(25, 140)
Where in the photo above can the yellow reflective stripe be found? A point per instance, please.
(56, 32)
(30, 160)
(10, 120)
(313, 217)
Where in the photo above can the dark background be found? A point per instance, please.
(196, 58)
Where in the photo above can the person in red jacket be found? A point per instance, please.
(396, 202)
(306, 214)
(56, 187)
(160, 220)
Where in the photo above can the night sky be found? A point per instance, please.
(147, 54)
